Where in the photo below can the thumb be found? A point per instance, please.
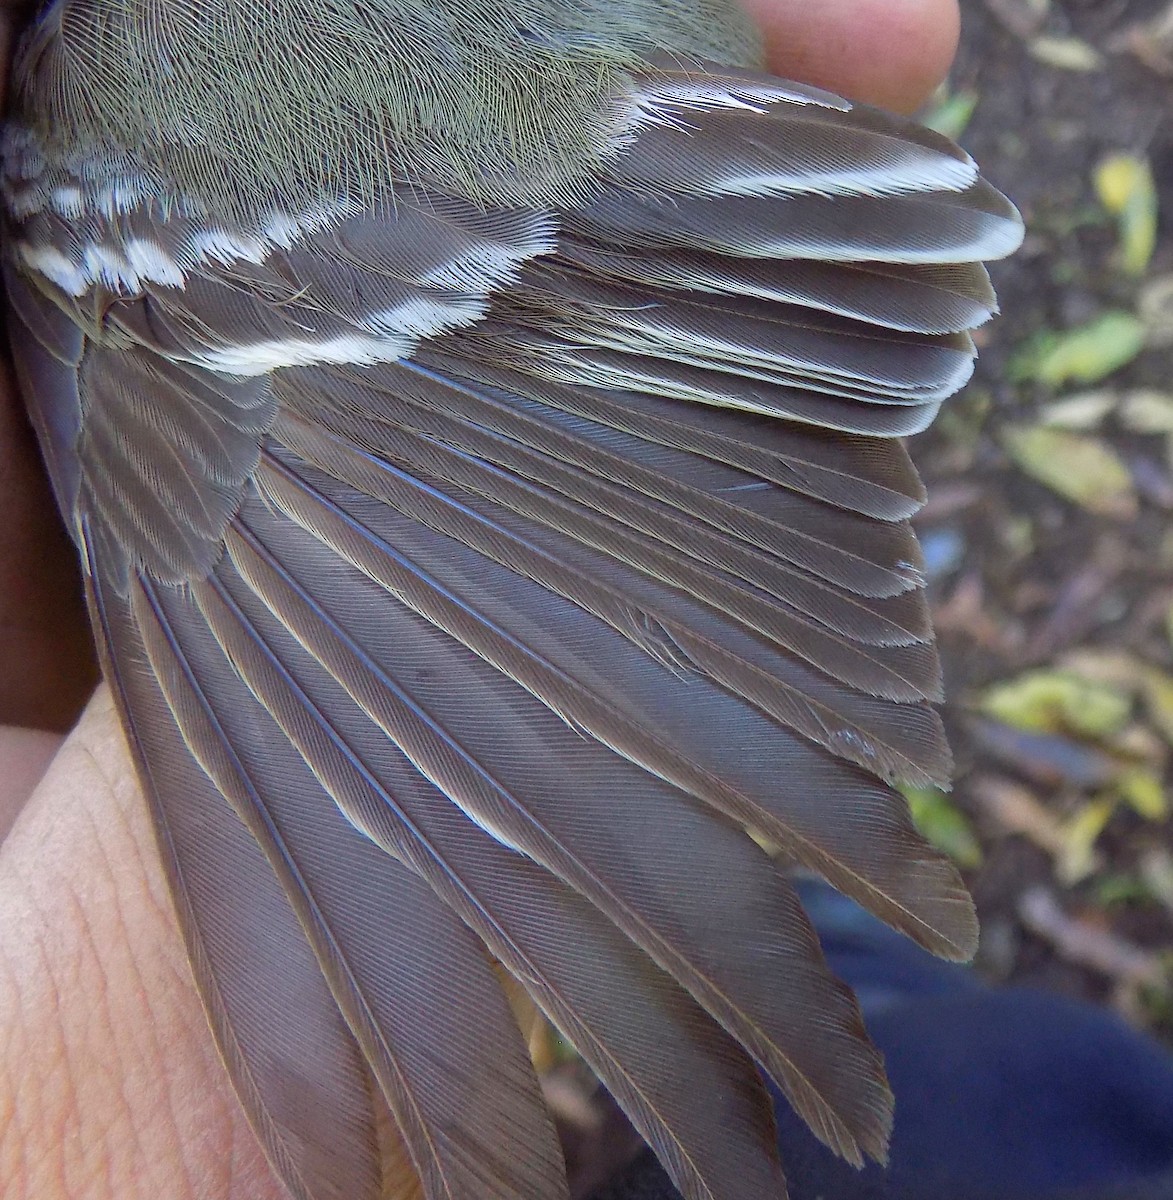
(110, 1084)
(891, 53)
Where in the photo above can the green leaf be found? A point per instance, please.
(951, 114)
(1115, 889)
(1084, 355)
(1080, 468)
(944, 825)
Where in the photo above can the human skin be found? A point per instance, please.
(110, 1084)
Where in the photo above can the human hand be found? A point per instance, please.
(110, 1083)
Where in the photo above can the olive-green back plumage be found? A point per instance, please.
(300, 103)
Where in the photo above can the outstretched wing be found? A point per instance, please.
(482, 580)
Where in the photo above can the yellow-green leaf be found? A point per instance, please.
(1084, 355)
(1058, 702)
(1143, 791)
(1118, 177)
(1124, 183)
(1158, 694)
(1080, 468)
(1080, 835)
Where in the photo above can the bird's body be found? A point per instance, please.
(481, 425)
(295, 106)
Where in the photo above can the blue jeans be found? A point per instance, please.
(1001, 1093)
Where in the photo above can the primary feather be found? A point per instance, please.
(485, 542)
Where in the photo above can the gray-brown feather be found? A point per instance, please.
(502, 565)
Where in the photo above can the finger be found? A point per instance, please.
(25, 755)
(892, 53)
(104, 1034)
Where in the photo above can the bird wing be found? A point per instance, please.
(481, 580)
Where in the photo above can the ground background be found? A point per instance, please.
(1049, 529)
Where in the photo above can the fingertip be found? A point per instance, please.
(891, 53)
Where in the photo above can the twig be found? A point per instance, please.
(1086, 944)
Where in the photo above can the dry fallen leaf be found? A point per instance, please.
(1016, 810)
(1065, 53)
(1082, 412)
(1088, 944)
(1147, 411)
(1154, 304)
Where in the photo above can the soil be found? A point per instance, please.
(1023, 577)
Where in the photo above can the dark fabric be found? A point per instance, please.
(1001, 1093)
